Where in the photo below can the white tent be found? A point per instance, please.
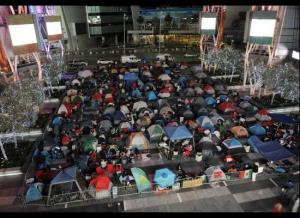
(85, 74)
(164, 77)
(62, 109)
(139, 105)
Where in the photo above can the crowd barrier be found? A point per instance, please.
(122, 191)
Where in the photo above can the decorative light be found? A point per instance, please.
(295, 55)
(208, 23)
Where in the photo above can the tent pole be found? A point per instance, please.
(49, 194)
(80, 190)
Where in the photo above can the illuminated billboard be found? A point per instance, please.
(22, 33)
(54, 30)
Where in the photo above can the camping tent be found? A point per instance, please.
(105, 126)
(65, 178)
(88, 143)
(138, 140)
(151, 96)
(125, 127)
(34, 192)
(214, 173)
(239, 132)
(209, 89)
(103, 186)
(178, 133)
(257, 129)
(232, 143)
(165, 111)
(141, 179)
(155, 132)
(164, 177)
(164, 77)
(210, 101)
(214, 119)
(164, 93)
(85, 74)
(139, 105)
(206, 123)
(71, 92)
(262, 115)
(226, 107)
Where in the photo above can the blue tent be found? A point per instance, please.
(245, 98)
(57, 121)
(223, 98)
(151, 96)
(130, 77)
(206, 123)
(257, 129)
(182, 81)
(119, 117)
(34, 192)
(178, 132)
(136, 93)
(164, 177)
(282, 118)
(64, 176)
(210, 101)
(232, 143)
(167, 71)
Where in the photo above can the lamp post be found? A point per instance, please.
(125, 17)
(159, 33)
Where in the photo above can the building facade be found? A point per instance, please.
(107, 23)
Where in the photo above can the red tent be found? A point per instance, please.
(69, 108)
(208, 88)
(65, 140)
(263, 111)
(226, 107)
(101, 182)
(164, 90)
(97, 96)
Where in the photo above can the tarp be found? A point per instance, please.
(34, 192)
(151, 96)
(206, 123)
(164, 177)
(282, 118)
(130, 77)
(232, 143)
(178, 133)
(271, 150)
(138, 140)
(239, 131)
(155, 132)
(141, 179)
(64, 176)
(214, 173)
(257, 129)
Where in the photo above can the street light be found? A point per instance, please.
(125, 18)
(159, 33)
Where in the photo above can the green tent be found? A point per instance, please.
(141, 180)
(88, 143)
(155, 132)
